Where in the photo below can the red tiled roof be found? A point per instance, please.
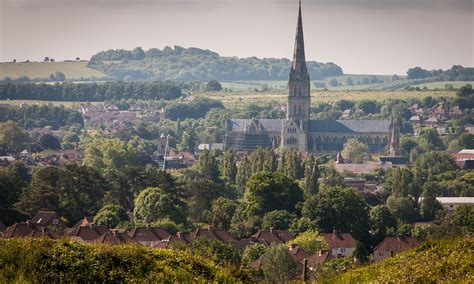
(148, 234)
(274, 236)
(48, 218)
(86, 221)
(340, 240)
(298, 253)
(113, 237)
(212, 234)
(28, 229)
(88, 233)
(397, 244)
(317, 259)
(243, 243)
(179, 238)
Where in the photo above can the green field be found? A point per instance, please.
(442, 84)
(233, 99)
(42, 70)
(36, 102)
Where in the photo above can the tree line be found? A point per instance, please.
(188, 64)
(456, 73)
(37, 116)
(156, 90)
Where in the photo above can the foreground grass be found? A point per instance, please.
(48, 261)
(447, 261)
(42, 70)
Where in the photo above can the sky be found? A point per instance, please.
(361, 36)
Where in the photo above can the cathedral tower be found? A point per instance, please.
(298, 81)
(295, 128)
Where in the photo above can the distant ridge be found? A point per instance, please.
(195, 64)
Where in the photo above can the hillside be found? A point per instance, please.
(440, 261)
(43, 261)
(42, 70)
(194, 64)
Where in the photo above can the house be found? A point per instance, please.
(415, 120)
(346, 114)
(86, 221)
(431, 122)
(179, 238)
(317, 259)
(48, 218)
(365, 168)
(440, 111)
(452, 203)
(355, 183)
(455, 112)
(340, 244)
(273, 236)
(464, 159)
(243, 243)
(211, 146)
(393, 245)
(87, 234)
(211, 233)
(30, 230)
(115, 238)
(148, 236)
(469, 128)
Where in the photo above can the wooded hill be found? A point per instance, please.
(188, 64)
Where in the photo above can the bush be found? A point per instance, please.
(48, 261)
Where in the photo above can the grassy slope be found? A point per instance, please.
(41, 261)
(441, 261)
(41, 70)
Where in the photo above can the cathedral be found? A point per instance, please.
(300, 132)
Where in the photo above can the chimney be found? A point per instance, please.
(334, 233)
(293, 246)
(271, 230)
(28, 222)
(179, 235)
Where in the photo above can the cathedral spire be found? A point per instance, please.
(299, 61)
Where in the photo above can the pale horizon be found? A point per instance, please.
(367, 37)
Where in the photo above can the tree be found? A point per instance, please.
(333, 82)
(59, 76)
(355, 150)
(401, 183)
(331, 177)
(417, 73)
(429, 205)
(153, 204)
(110, 215)
(434, 162)
(310, 241)
(463, 217)
(349, 81)
(402, 208)
(188, 142)
(200, 195)
(70, 140)
(219, 252)
(252, 253)
(213, 86)
(13, 137)
(106, 154)
(244, 171)
(278, 265)
(311, 176)
(338, 208)
(429, 140)
(268, 191)
(345, 104)
(382, 219)
(42, 192)
(10, 191)
(361, 254)
(48, 141)
(291, 164)
(208, 165)
(222, 211)
(466, 140)
(277, 219)
(368, 106)
(229, 167)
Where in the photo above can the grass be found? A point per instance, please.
(235, 98)
(447, 261)
(42, 70)
(442, 84)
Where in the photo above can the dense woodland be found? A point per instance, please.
(189, 64)
(90, 91)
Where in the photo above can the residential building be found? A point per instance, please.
(393, 245)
